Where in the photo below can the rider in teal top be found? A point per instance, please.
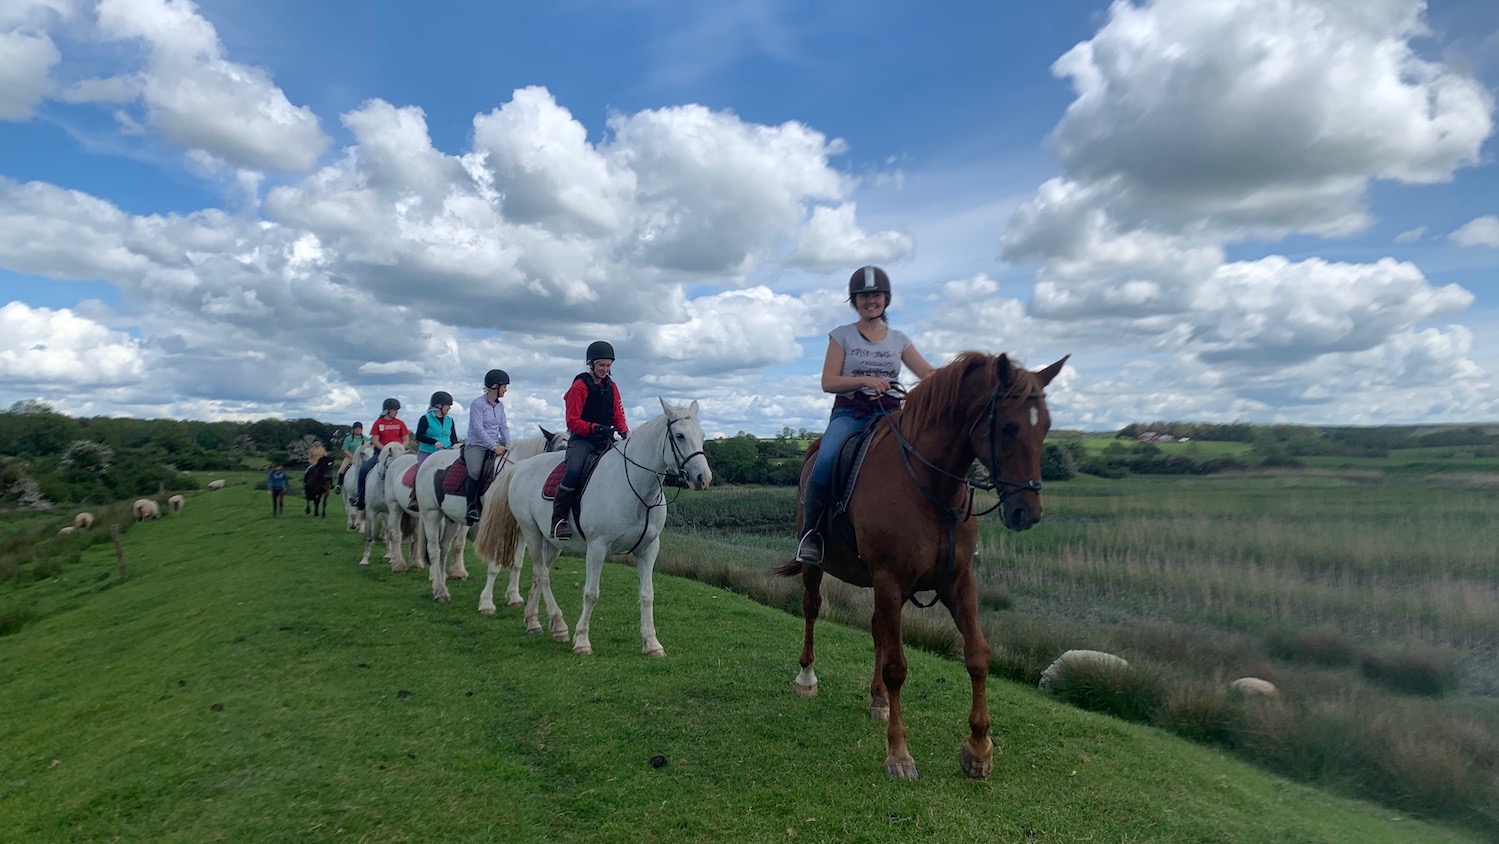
(435, 430)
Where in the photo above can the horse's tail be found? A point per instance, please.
(499, 531)
(791, 569)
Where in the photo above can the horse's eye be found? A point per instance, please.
(1009, 429)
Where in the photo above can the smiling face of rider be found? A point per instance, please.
(601, 368)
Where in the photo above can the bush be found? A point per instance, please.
(1316, 645)
(1411, 670)
(1057, 463)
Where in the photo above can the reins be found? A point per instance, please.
(623, 447)
(951, 516)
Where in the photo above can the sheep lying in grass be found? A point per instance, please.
(66, 530)
(1254, 687)
(1094, 661)
(145, 509)
(175, 503)
(83, 521)
(215, 485)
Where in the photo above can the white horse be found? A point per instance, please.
(350, 484)
(623, 510)
(377, 516)
(400, 515)
(445, 523)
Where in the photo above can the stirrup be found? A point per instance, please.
(472, 517)
(809, 550)
(562, 530)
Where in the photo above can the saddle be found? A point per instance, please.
(450, 481)
(554, 480)
(846, 468)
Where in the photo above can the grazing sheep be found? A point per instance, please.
(83, 521)
(66, 530)
(145, 509)
(215, 485)
(1254, 687)
(175, 503)
(1090, 660)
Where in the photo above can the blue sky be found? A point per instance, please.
(1268, 210)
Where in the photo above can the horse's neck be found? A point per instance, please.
(528, 447)
(641, 453)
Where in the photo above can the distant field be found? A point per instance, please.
(1203, 449)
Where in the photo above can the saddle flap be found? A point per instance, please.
(409, 479)
(453, 478)
(846, 467)
(554, 480)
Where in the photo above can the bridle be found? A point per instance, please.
(623, 447)
(951, 516)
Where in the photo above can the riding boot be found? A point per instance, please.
(560, 506)
(471, 492)
(814, 503)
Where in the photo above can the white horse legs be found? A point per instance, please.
(645, 565)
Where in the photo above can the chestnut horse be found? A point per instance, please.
(909, 525)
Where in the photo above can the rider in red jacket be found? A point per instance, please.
(595, 413)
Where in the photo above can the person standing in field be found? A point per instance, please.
(277, 483)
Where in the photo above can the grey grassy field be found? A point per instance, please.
(250, 683)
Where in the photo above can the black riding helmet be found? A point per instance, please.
(868, 280)
(390, 404)
(441, 398)
(599, 350)
(496, 378)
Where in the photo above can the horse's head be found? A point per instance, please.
(682, 448)
(1008, 433)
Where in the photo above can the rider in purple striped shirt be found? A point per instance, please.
(488, 435)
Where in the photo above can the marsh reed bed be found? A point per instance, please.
(1372, 602)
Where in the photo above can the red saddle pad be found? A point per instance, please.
(409, 479)
(452, 481)
(554, 480)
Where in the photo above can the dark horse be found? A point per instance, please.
(909, 525)
(317, 483)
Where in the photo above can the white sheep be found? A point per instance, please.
(66, 530)
(215, 485)
(1089, 660)
(1254, 687)
(175, 503)
(83, 521)
(145, 509)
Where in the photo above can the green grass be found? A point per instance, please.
(249, 683)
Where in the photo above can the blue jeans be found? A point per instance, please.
(578, 449)
(842, 424)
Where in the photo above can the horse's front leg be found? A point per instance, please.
(806, 679)
(594, 572)
(891, 657)
(645, 564)
(976, 753)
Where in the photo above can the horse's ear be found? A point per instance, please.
(545, 433)
(671, 412)
(692, 408)
(1052, 371)
(1002, 367)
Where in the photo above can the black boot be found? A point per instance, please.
(814, 503)
(561, 530)
(471, 492)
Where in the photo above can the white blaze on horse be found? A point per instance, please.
(350, 485)
(622, 510)
(445, 519)
(377, 517)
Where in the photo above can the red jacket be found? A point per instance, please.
(577, 396)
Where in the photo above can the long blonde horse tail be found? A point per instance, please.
(499, 531)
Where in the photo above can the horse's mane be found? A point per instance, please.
(946, 394)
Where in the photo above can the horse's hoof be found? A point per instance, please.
(583, 650)
(879, 713)
(561, 636)
(458, 575)
(658, 653)
(442, 597)
(486, 611)
(515, 603)
(805, 691)
(977, 765)
(533, 631)
(900, 769)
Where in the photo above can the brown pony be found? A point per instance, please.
(909, 525)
